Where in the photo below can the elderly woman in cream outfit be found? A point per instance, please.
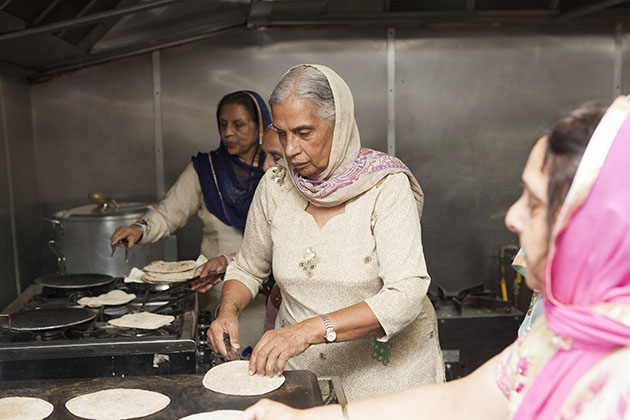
(339, 226)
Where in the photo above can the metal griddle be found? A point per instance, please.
(188, 395)
(46, 319)
(74, 281)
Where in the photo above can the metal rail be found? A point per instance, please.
(85, 20)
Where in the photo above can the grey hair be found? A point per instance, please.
(307, 82)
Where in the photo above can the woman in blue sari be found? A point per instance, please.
(218, 186)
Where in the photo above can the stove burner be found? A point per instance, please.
(49, 335)
(116, 311)
(475, 296)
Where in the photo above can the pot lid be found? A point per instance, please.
(47, 319)
(74, 281)
(109, 210)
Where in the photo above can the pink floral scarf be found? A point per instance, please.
(588, 265)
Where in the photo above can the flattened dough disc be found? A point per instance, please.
(214, 415)
(142, 320)
(232, 378)
(117, 404)
(24, 408)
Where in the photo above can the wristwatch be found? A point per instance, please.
(330, 335)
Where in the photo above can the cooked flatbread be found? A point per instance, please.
(115, 297)
(24, 408)
(168, 277)
(169, 266)
(117, 404)
(232, 378)
(144, 320)
(214, 415)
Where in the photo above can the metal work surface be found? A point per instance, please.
(188, 395)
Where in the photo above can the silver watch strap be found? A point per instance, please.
(327, 322)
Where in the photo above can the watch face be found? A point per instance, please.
(331, 336)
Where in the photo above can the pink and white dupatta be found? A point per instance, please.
(587, 267)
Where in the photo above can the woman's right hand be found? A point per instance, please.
(226, 325)
(131, 233)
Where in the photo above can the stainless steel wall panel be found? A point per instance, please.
(94, 132)
(196, 76)
(470, 104)
(24, 178)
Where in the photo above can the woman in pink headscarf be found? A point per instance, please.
(574, 225)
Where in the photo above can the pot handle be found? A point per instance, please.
(61, 260)
(56, 223)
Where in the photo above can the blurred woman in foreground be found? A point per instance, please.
(574, 225)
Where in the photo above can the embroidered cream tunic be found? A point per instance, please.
(373, 253)
(181, 202)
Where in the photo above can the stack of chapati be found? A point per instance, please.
(169, 272)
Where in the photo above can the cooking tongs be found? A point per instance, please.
(232, 353)
(182, 291)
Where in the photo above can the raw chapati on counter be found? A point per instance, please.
(117, 404)
(214, 415)
(24, 408)
(232, 378)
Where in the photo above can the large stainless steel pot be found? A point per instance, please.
(82, 239)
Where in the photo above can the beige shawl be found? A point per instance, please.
(351, 170)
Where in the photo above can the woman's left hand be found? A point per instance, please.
(277, 346)
(209, 274)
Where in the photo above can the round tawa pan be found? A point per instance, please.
(47, 319)
(74, 281)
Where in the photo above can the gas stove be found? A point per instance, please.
(474, 325)
(95, 348)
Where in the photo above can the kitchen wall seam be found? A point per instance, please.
(618, 63)
(157, 124)
(391, 91)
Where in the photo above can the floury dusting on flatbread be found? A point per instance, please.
(115, 297)
(117, 404)
(143, 320)
(232, 378)
(24, 408)
(214, 415)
